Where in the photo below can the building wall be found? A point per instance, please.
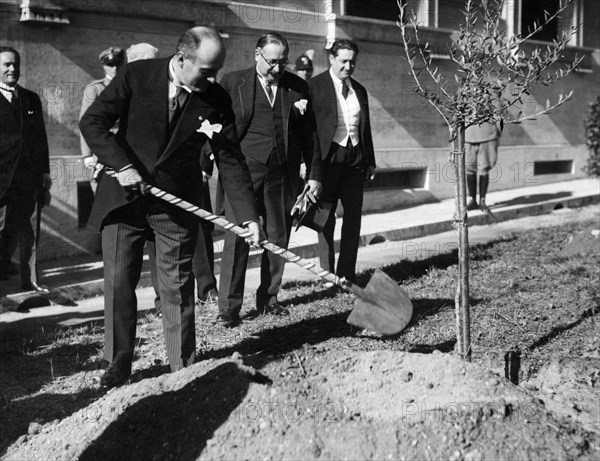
(59, 60)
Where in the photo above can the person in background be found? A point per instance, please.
(341, 109)
(481, 155)
(204, 257)
(139, 51)
(304, 70)
(111, 59)
(304, 67)
(24, 171)
(276, 126)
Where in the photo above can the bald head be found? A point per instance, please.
(193, 38)
(200, 56)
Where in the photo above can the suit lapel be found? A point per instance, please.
(156, 105)
(6, 107)
(246, 91)
(24, 106)
(330, 94)
(188, 124)
(287, 97)
(362, 99)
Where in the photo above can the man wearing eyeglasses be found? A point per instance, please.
(276, 126)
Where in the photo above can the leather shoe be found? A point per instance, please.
(113, 377)
(228, 320)
(274, 309)
(32, 286)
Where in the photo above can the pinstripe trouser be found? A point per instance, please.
(123, 237)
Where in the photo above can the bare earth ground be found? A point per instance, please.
(312, 387)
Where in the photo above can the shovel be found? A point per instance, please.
(382, 307)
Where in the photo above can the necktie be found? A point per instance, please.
(344, 89)
(181, 96)
(176, 104)
(269, 92)
(12, 99)
(173, 105)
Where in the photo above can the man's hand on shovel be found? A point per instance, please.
(382, 306)
(129, 178)
(257, 234)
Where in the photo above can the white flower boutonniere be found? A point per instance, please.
(301, 105)
(208, 128)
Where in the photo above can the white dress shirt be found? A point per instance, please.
(8, 91)
(348, 113)
(174, 81)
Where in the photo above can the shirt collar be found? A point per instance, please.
(173, 80)
(263, 80)
(5, 87)
(338, 81)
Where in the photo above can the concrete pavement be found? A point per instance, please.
(25, 324)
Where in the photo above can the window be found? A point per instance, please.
(398, 178)
(552, 167)
(533, 12)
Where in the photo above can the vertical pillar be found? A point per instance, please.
(509, 15)
(330, 18)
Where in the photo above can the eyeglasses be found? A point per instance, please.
(273, 62)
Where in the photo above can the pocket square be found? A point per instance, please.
(301, 105)
(209, 129)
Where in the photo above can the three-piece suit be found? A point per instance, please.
(275, 140)
(343, 169)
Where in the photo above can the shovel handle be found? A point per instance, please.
(241, 232)
(220, 221)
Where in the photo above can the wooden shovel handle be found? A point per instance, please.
(241, 232)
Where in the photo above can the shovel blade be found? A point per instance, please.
(383, 307)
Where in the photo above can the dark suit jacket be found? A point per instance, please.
(25, 138)
(322, 92)
(138, 98)
(298, 129)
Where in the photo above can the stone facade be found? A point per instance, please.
(60, 56)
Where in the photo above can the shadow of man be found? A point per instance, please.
(173, 425)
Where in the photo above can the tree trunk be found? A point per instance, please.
(463, 316)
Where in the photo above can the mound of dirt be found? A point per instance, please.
(317, 404)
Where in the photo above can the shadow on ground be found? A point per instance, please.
(528, 199)
(191, 412)
(173, 425)
(24, 374)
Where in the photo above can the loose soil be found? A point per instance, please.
(312, 387)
